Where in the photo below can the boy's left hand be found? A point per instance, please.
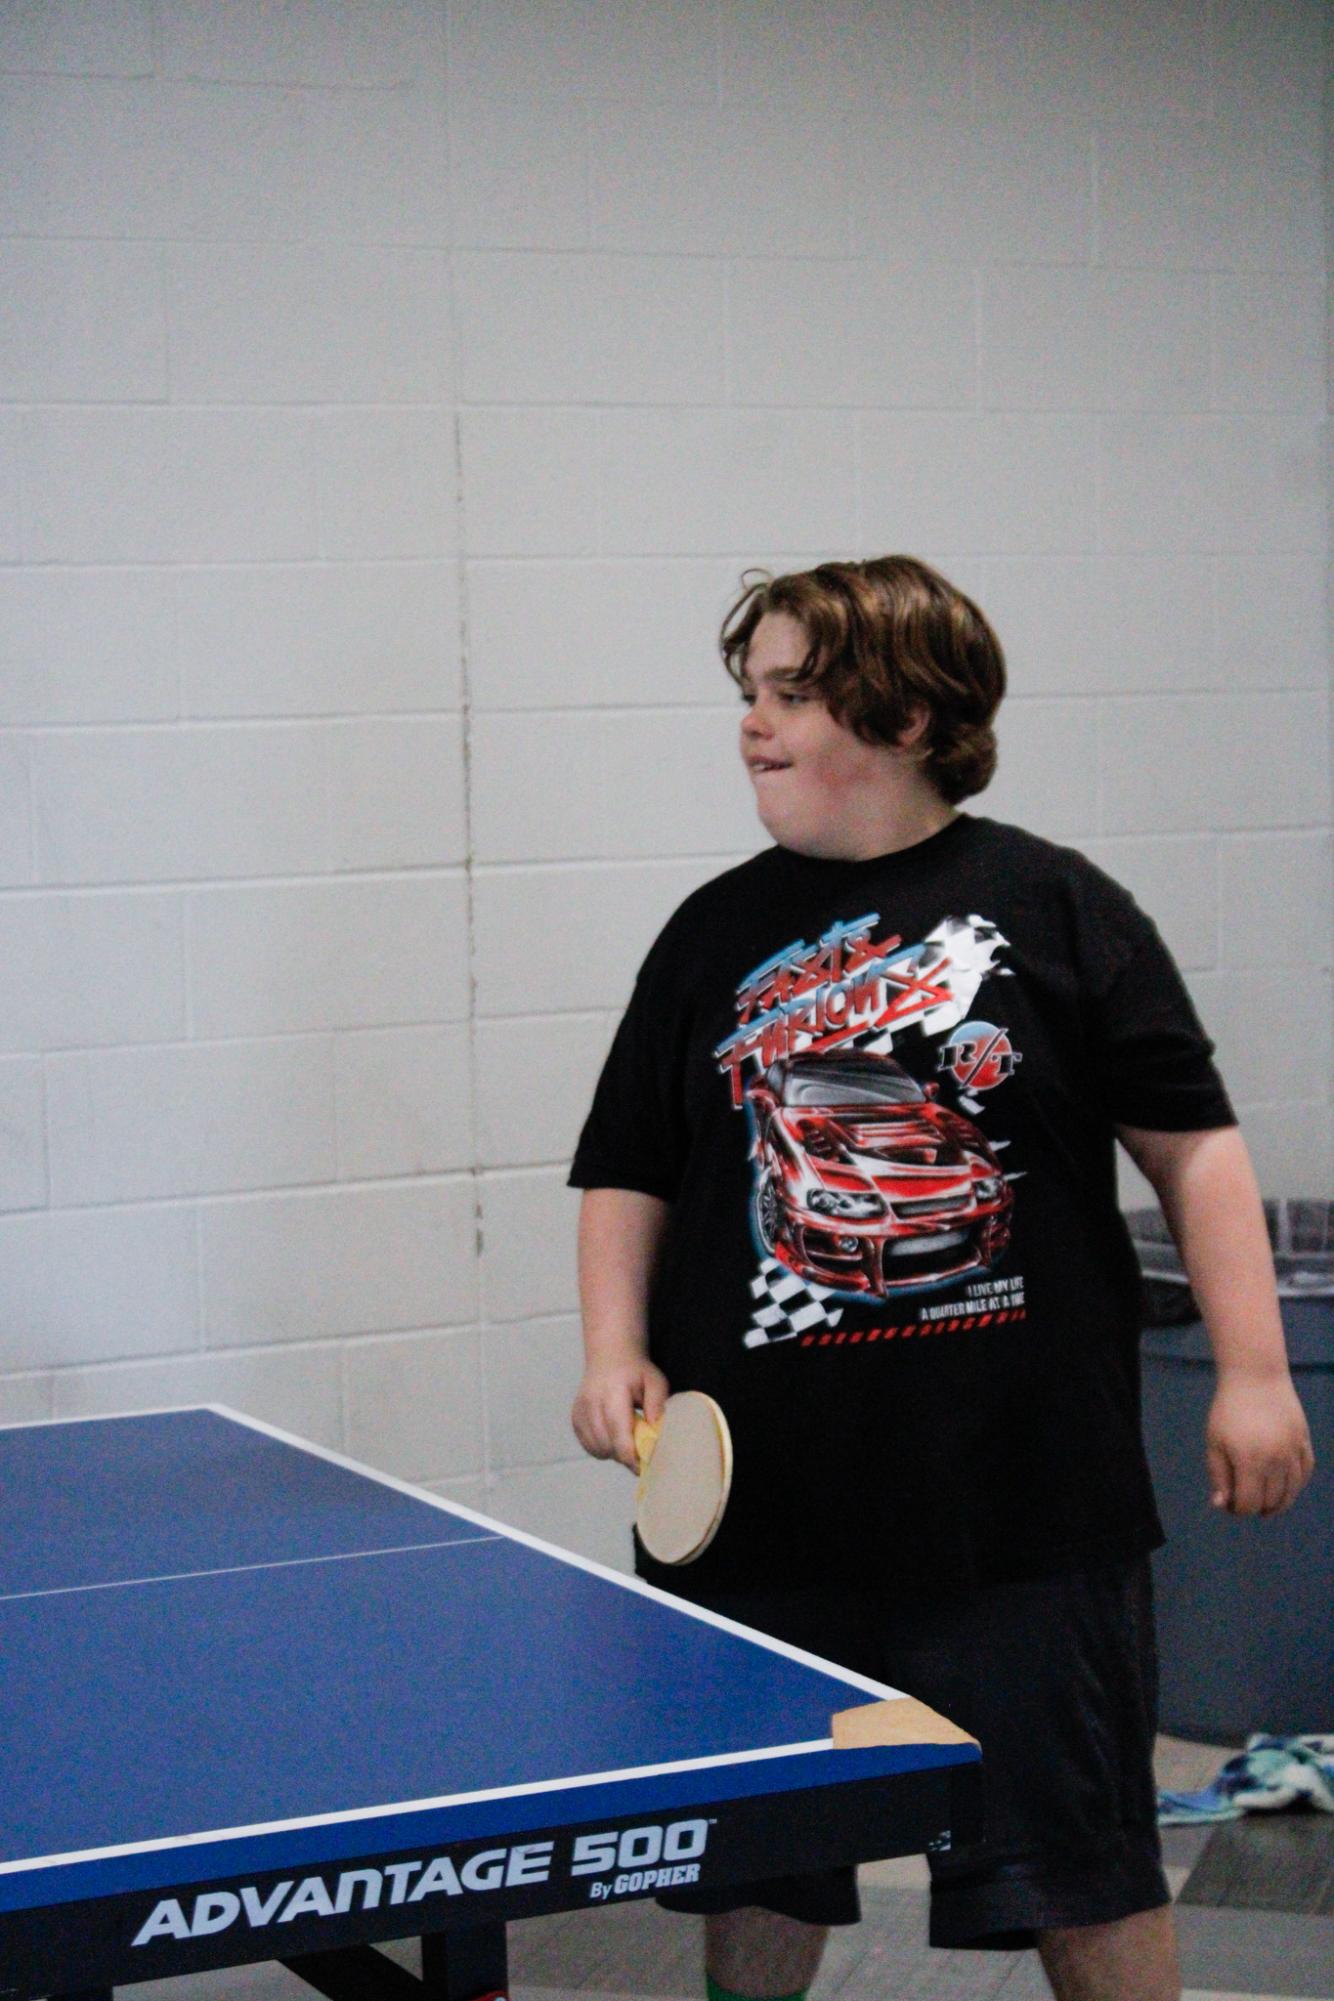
(1258, 1445)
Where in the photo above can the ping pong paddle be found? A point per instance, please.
(685, 1476)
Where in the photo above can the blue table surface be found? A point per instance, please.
(205, 1627)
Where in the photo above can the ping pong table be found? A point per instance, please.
(260, 1703)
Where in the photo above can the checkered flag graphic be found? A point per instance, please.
(786, 1305)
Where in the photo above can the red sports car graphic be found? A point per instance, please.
(865, 1184)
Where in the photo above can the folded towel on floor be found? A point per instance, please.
(1271, 1773)
(1192, 1809)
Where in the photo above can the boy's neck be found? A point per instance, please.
(864, 838)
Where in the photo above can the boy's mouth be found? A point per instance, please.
(760, 765)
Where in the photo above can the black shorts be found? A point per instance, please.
(1057, 1678)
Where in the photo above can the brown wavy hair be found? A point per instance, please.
(884, 637)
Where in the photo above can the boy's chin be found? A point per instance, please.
(795, 832)
(785, 828)
(769, 813)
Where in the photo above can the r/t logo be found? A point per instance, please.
(979, 1056)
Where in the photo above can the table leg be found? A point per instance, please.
(465, 1963)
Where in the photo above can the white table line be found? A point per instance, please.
(239, 1569)
(443, 1801)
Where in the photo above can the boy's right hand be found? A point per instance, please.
(604, 1410)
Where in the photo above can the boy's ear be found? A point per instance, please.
(909, 737)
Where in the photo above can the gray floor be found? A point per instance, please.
(639, 1950)
(1229, 1948)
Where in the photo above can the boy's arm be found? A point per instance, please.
(1258, 1444)
(620, 1234)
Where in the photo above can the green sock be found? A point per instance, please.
(717, 1993)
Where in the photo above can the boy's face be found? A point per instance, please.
(818, 788)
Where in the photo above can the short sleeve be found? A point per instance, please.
(1152, 1058)
(635, 1135)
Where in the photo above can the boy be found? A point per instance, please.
(850, 1168)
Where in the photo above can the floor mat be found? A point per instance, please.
(1267, 1862)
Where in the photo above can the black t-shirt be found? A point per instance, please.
(879, 1097)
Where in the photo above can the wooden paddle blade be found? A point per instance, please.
(685, 1484)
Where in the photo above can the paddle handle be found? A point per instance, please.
(646, 1437)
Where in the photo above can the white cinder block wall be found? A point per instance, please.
(393, 391)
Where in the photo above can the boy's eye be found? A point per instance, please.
(791, 697)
